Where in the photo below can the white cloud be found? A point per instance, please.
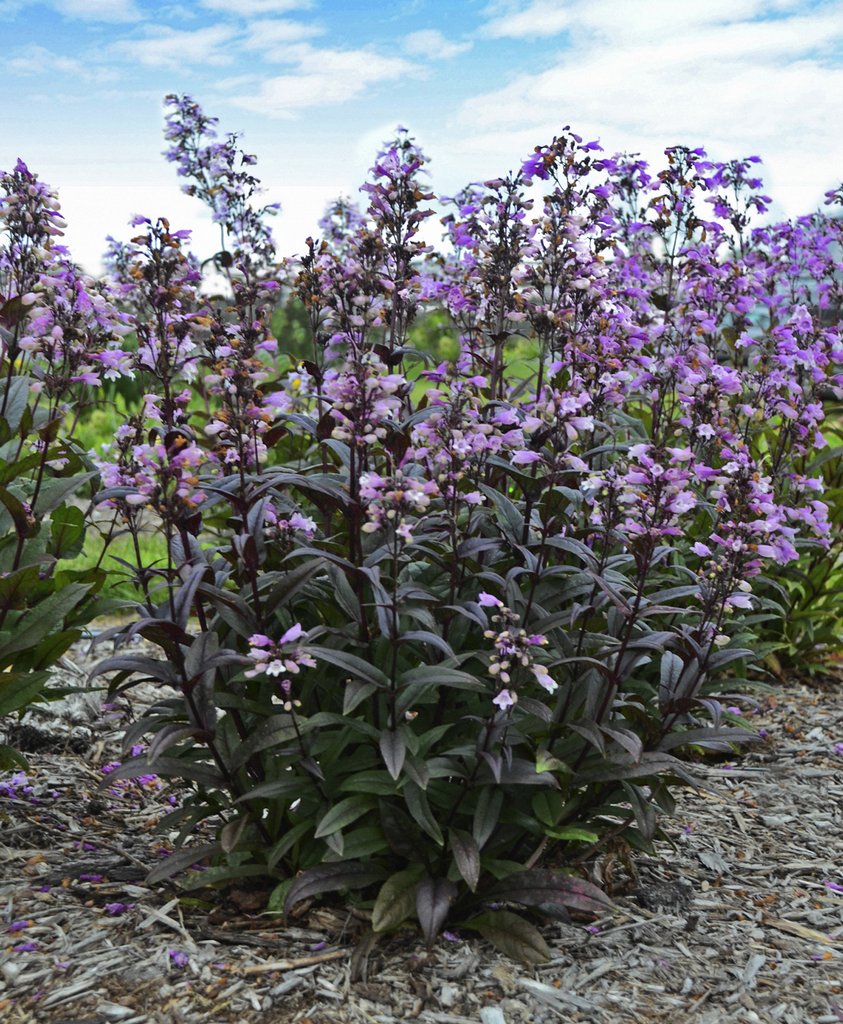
(171, 49)
(632, 19)
(37, 60)
(705, 75)
(98, 10)
(272, 32)
(430, 43)
(542, 18)
(84, 10)
(248, 8)
(321, 77)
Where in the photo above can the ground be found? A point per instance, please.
(739, 918)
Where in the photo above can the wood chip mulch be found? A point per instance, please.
(738, 919)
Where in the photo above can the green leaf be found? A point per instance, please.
(275, 903)
(284, 845)
(16, 511)
(53, 492)
(343, 813)
(376, 781)
(396, 900)
(33, 625)
(512, 935)
(352, 664)
(17, 390)
(18, 689)
(421, 813)
(273, 731)
(10, 758)
(17, 587)
(67, 532)
(219, 874)
(572, 833)
(360, 843)
(546, 762)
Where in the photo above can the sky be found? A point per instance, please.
(316, 85)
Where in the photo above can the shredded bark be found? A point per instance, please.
(738, 918)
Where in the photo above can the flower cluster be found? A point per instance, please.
(390, 500)
(279, 659)
(514, 653)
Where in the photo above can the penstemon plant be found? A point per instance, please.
(436, 633)
(60, 337)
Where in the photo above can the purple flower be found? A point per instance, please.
(19, 926)
(293, 633)
(116, 909)
(178, 958)
(488, 600)
(505, 699)
(525, 458)
(25, 947)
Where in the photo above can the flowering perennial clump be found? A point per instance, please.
(429, 621)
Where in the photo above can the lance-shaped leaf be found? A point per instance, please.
(671, 669)
(331, 878)
(149, 668)
(393, 748)
(512, 935)
(17, 689)
(705, 737)
(421, 813)
(486, 815)
(466, 856)
(344, 813)
(434, 897)
(550, 892)
(352, 664)
(651, 763)
(396, 900)
(180, 860)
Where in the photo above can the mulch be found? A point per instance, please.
(738, 918)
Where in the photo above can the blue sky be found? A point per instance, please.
(315, 85)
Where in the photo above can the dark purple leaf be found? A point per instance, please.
(434, 897)
(160, 671)
(180, 860)
(550, 891)
(486, 815)
(330, 878)
(466, 856)
(393, 748)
